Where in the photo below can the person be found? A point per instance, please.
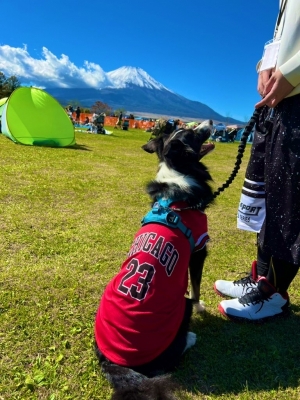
(273, 180)
(176, 124)
(232, 135)
(119, 121)
(100, 129)
(78, 112)
(86, 121)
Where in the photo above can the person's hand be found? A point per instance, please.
(263, 78)
(276, 89)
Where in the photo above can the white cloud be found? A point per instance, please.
(50, 71)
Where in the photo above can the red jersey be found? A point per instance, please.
(143, 306)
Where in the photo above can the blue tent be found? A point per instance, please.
(240, 133)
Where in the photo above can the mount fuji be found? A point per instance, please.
(135, 90)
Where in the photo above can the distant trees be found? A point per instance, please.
(8, 85)
(99, 108)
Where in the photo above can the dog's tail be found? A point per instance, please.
(131, 385)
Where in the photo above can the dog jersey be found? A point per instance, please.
(143, 306)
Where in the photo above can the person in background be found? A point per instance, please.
(78, 112)
(176, 124)
(100, 129)
(119, 121)
(270, 200)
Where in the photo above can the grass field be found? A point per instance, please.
(67, 219)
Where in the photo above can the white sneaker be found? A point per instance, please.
(259, 304)
(237, 288)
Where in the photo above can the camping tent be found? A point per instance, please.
(235, 126)
(240, 133)
(33, 117)
(219, 127)
(3, 100)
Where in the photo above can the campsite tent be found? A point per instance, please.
(240, 133)
(33, 117)
(3, 100)
(219, 127)
(235, 126)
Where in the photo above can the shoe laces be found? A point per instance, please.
(254, 296)
(246, 281)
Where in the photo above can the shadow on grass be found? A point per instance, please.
(78, 147)
(230, 357)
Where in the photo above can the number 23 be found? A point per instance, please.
(139, 290)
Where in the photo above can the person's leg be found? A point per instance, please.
(280, 233)
(251, 210)
(281, 274)
(251, 214)
(263, 262)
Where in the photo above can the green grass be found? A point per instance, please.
(67, 219)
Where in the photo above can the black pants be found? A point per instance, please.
(170, 358)
(275, 160)
(279, 273)
(280, 233)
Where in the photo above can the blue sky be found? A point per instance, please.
(203, 50)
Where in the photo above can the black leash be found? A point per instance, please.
(241, 149)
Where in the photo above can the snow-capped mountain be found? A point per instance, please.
(125, 76)
(135, 90)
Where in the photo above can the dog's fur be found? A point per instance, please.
(180, 175)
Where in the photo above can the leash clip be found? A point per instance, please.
(269, 122)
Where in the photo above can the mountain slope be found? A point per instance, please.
(133, 89)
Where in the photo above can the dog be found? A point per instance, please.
(141, 326)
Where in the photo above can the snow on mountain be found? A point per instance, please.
(126, 76)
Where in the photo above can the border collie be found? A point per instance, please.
(142, 323)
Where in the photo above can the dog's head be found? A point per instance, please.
(180, 169)
(183, 147)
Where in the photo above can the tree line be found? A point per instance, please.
(8, 85)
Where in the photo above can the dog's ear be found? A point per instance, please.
(151, 146)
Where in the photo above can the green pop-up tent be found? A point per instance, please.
(33, 117)
(3, 100)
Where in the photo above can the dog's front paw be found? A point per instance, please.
(200, 307)
(190, 340)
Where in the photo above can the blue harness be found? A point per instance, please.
(161, 213)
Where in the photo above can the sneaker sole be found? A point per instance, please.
(284, 314)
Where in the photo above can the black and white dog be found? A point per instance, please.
(141, 327)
